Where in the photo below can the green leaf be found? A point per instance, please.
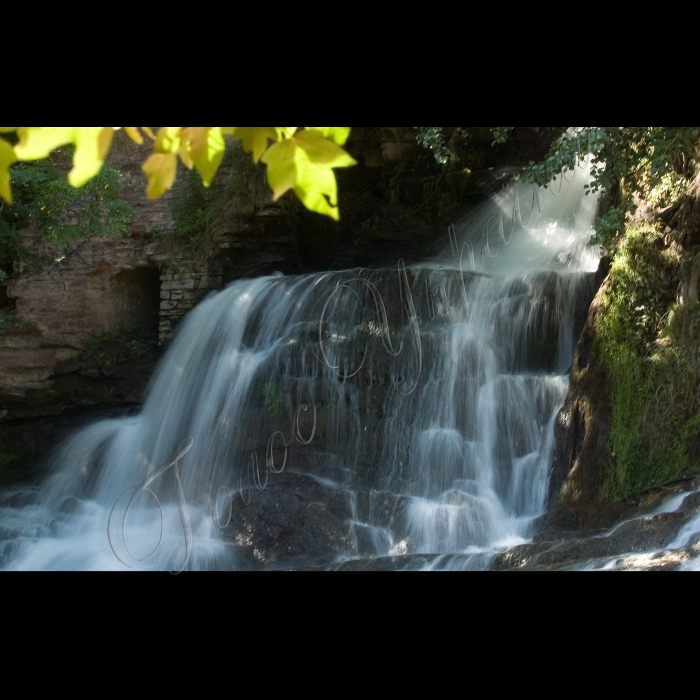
(7, 158)
(339, 134)
(305, 164)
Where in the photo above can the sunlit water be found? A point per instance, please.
(457, 367)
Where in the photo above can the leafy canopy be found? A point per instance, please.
(61, 213)
(632, 163)
(629, 164)
(297, 159)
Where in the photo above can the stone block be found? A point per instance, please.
(165, 295)
(268, 212)
(168, 305)
(157, 248)
(176, 296)
(75, 284)
(181, 284)
(225, 245)
(39, 289)
(66, 367)
(210, 282)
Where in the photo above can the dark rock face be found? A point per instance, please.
(108, 383)
(582, 434)
(294, 516)
(649, 535)
(298, 522)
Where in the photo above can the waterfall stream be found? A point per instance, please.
(422, 399)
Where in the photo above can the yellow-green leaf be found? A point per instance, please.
(37, 142)
(134, 134)
(282, 166)
(168, 140)
(91, 146)
(204, 146)
(8, 129)
(322, 150)
(160, 169)
(285, 132)
(339, 134)
(7, 158)
(254, 138)
(305, 164)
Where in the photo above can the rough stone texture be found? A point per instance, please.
(582, 432)
(294, 516)
(100, 286)
(646, 535)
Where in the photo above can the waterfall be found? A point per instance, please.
(433, 388)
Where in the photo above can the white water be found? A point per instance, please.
(467, 406)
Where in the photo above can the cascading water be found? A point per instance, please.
(433, 389)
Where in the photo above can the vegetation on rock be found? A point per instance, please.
(203, 215)
(104, 351)
(629, 164)
(61, 213)
(650, 346)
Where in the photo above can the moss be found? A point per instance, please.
(649, 347)
(273, 399)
